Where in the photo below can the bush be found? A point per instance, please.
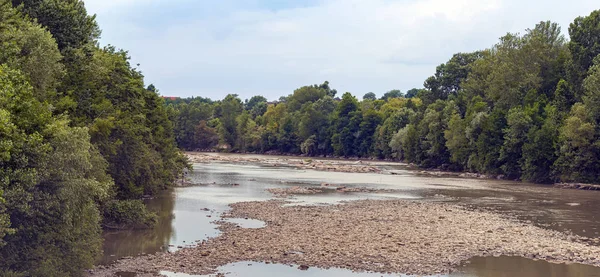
(128, 214)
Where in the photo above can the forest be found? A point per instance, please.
(82, 140)
(527, 108)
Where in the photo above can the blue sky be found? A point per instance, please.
(211, 48)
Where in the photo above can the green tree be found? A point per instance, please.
(448, 77)
(515, 136)
(205, 137)
(31, 49)
(431, 127)
(346, 125)
(53, 178)
(315, 123)
(395, 93)
(303, 95)
(539, 152)
(67, 20)
(254, 101)
(457, 141)
(412, 93)
(366, 136)
(388, 129)
(584, 45)
(370, 96)
(579, 150)
(230, 108)
(563, 97)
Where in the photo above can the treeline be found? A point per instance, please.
(527, 108)
(81, 139)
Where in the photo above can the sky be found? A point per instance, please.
(212, 48)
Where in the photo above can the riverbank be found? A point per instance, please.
(351, 166)
(297, 162)
(398, 236)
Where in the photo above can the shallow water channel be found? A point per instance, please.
(187, 214)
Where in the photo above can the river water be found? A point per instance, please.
(186, 214)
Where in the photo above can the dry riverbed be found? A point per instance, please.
(324, 188)
(397, 236)
(297, 162)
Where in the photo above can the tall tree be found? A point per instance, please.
(67, 20)
(230, 108)
(52, 178)
(345, 130)
(584, 46)
(448, 77)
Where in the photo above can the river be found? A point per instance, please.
(186, 213)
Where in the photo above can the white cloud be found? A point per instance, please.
(358, 45)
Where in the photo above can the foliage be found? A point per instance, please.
(526, 108)
(67, 20)
(79, 132)
(395, 93)
(370, 96)
(52, 180)
(127, 214)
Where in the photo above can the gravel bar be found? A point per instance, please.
(385, 236)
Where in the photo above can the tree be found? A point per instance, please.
(205, 137)
(457, 141)
(366, 136)
(31, 49)
(384, 133)
(315, 122)
(309, 146)
(591, 96)
(230, 108)
(347, 120)
(395, 93)
(579, 151)
(330, 92)
(304, 95)
(584, 45)
(515, 136)
(370, 96)
(563, 97)
(254, 101)
(448, 77)
(432, 144)
(53, 178)
(67, 20)
(539, 152)
(412, 93)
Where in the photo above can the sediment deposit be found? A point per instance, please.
(398, 236)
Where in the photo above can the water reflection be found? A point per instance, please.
(521, 267)
(262, 269)
(119, 244)
(476, 267)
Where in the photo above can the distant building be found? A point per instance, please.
(173, 98)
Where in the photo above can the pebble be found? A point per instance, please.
(398, 236)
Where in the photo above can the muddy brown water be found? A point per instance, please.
(186, 214)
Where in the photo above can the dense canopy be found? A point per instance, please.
(81, 140)
(526, 108)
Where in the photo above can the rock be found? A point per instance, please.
(395, 236)
(303, 267)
